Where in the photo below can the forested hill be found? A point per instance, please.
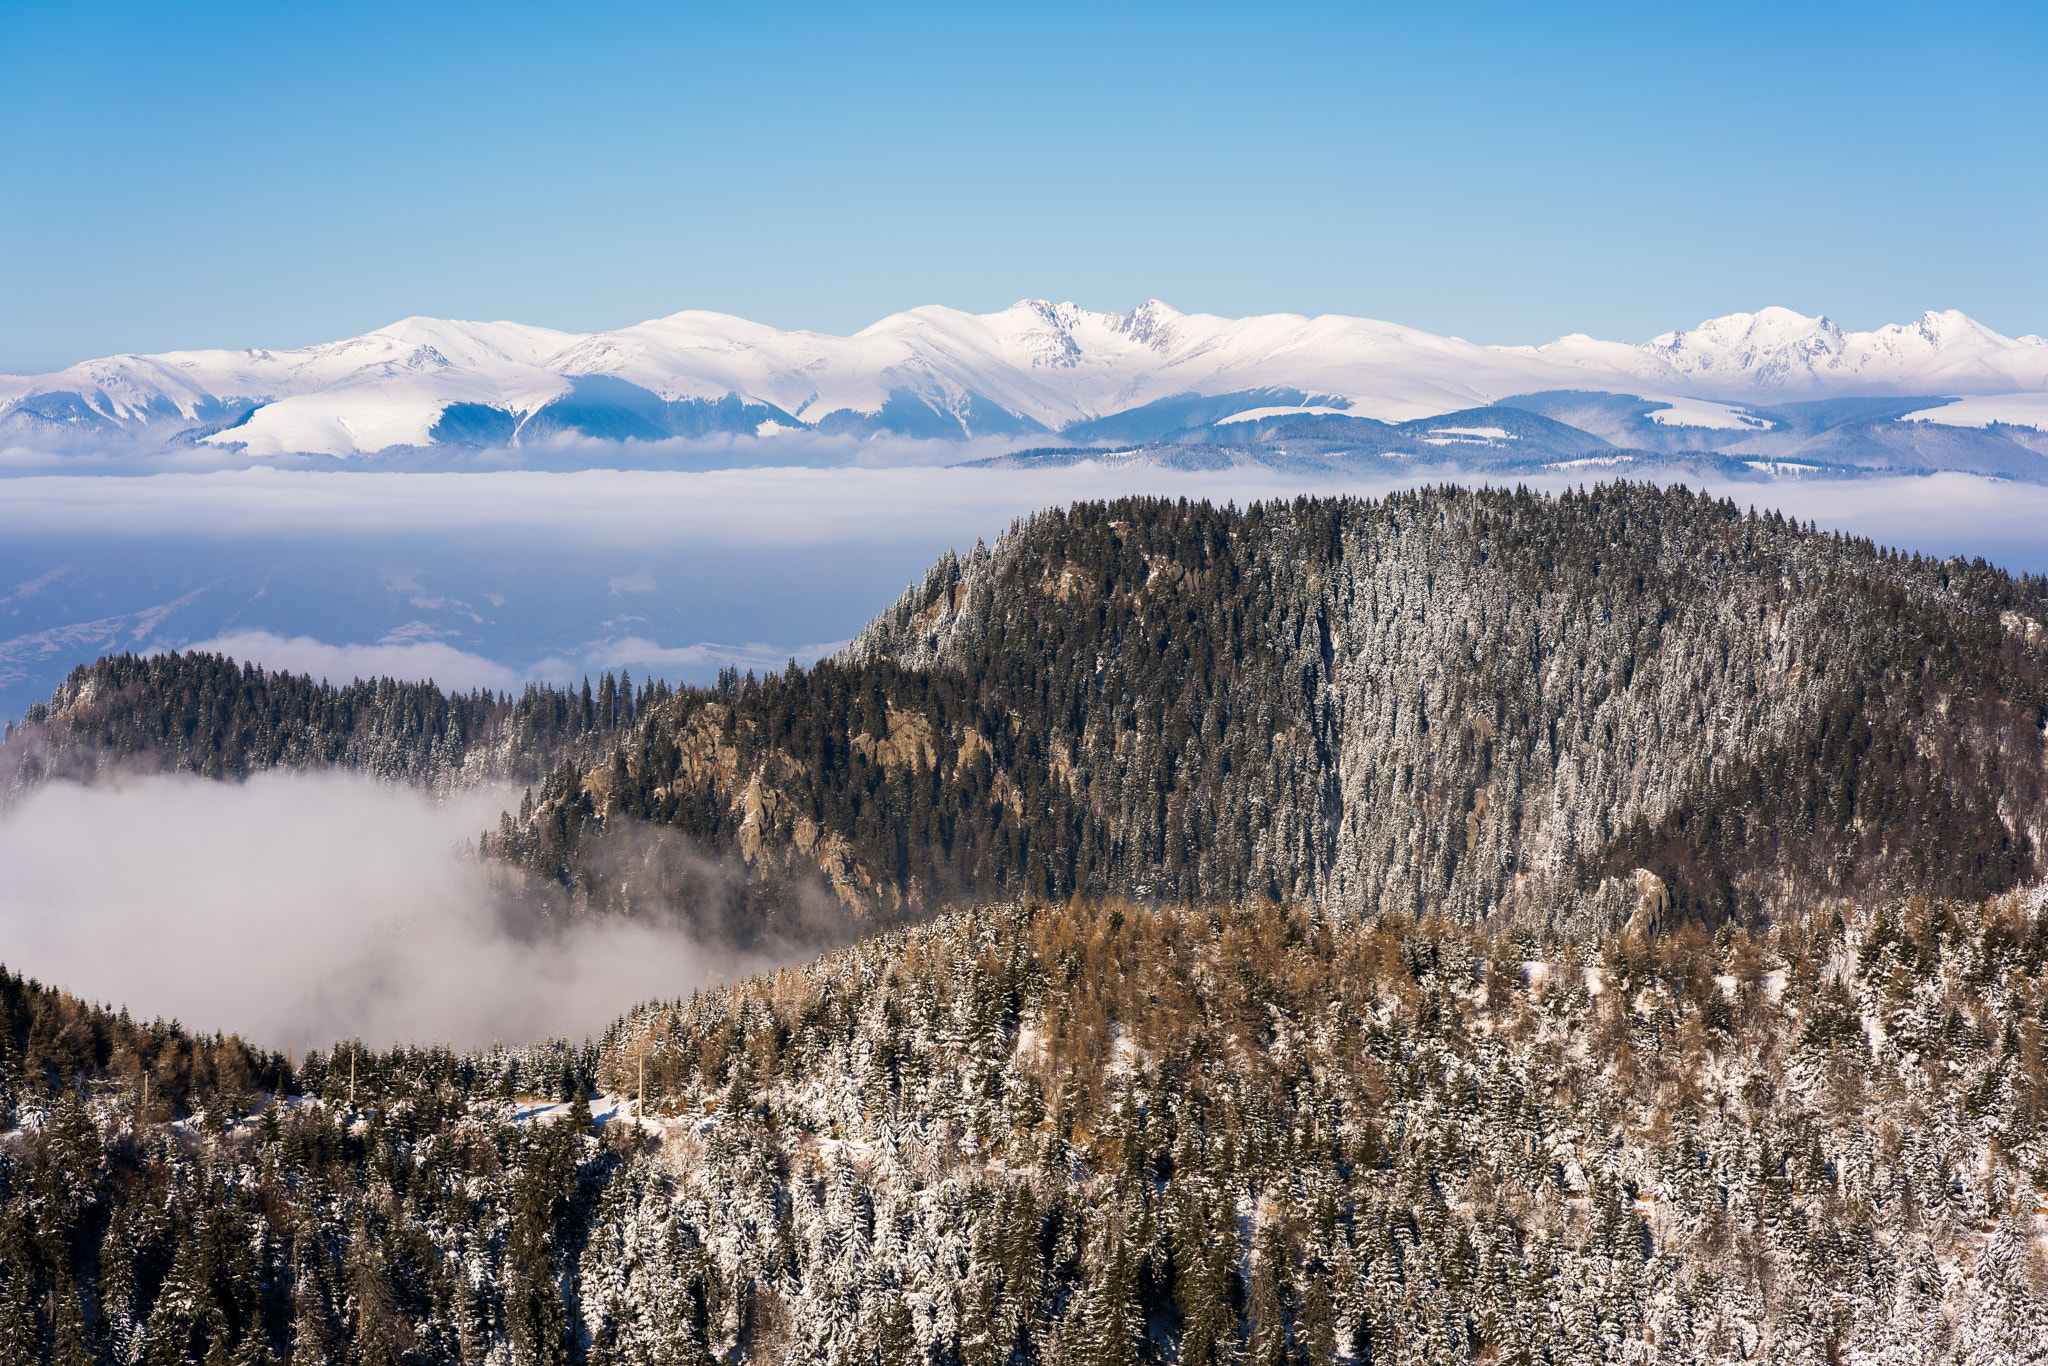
(205, 714)
(1503, 928)
(1448, 702)
(1102, 1135)
(1468, 703)
(51, 1042)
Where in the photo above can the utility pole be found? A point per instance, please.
(351, 1079)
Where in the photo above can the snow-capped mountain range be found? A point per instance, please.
(1034, 367)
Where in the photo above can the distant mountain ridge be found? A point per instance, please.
(1559, 432)
(1035, 367)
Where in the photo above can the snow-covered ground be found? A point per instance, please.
(1260, 414)
(1693, 412)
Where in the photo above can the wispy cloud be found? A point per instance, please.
(411, 661)
(462, 670)
(639, 581)
(130, 453)
(302, 909)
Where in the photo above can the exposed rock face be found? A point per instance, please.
(1638, 902)
(906, 742)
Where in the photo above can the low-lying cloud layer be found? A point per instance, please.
(458, 670)
(493, 579)
(297, 910)
(462, 670)
(144, 453)
(771, 509)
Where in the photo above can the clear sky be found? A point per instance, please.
(245, 175)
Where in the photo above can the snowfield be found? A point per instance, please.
(1692, 412)
(2016, 410)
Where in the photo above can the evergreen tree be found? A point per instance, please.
(1205, 1257)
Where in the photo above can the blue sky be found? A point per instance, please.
(231, 175)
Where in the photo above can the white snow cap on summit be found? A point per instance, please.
(1777, 349)
(1051, 363)
(478, 344)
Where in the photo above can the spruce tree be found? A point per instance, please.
(1268, 1341)
(897, 1342)
(70, 1344)
(1204, 1258)
(19, 1331)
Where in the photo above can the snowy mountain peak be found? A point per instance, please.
(1152, 322)
(1771, 346)
(1067, 334)
(937, 372)
(1952, 328)
(1778, 349)
(474, 343)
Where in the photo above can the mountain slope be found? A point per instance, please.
(1558, 931)
(1485, 705)
(941, 373)
(1104, 1135)
(1452, 700)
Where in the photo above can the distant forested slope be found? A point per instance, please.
(205, 714)
(1476, 704)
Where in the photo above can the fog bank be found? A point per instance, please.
(774, 509)
(299, 909)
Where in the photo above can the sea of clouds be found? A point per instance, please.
(496, 579)
(297, 909)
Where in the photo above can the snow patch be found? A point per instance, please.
(1693, 412)
(1259, 414)
(2011, 410)
(1591, 461)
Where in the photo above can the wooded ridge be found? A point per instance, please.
(1108, 1133)
(1491, 705)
